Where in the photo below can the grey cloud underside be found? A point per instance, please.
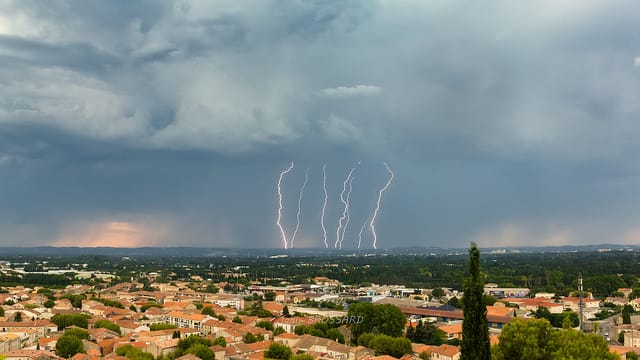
(501, 120)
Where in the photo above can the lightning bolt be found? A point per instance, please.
(372, 224)
(360, 233)
(324, 204)
(279, 219)
(304, 184)
(348, 218)
(345, 203)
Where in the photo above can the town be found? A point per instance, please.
(187, 312)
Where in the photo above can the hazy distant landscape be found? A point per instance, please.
(247, 252)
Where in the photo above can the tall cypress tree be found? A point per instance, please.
(475, 330)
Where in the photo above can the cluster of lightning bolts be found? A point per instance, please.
(343, 221)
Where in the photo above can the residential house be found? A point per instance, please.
(162, 347)
(10, 341)
(273, 307)
(43, 327)
(453, 331)
(25, 354)
(572, 303)
(533, 304)
(287, 339)
(183, 319)
(445, 352)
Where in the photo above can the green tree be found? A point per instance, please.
(122, 350)
(366, 339)
(301, 330)
(334, 334)
(68, 345)
(386, 318)
(220, 341)
(522, 339)
(17, 316)
(621, 337)
(632, 355)
(201, 351)
(208, 310)
(302, 357)
(573, 344)
(1, 311)
(106, 324)
(627, 310)
(455, 302)
(77, 332)
(475, 330)
(249, 338)
(270, 296)
(148, 305)
(133, 353)
(426, 333)
(387, 345)
(76, 300)
(437, 293)
(566, 321)
(265, 325)
(285, 311)
(535, 339)
(107, 302)
(236, 319)
(278, 331)
(65, 320)
(161, 326)
(389, 320)
(278, 351)
(212, 289)
(49, 303)
(186, 343)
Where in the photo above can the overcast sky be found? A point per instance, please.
(167, 123)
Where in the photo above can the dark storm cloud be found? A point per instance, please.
(505, 123)
(78, 57)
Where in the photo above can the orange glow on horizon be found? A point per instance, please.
(108, 234)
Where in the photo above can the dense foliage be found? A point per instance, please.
(161, 326)
(196, 345)
(107, 302)
(567, 319)
(106, 324)
(79, 333)
(536, 340)
(68, 345)
(386, 345)
(475, 331)
(278, 351)
(386, 319)
(426, 333)
(64, 320)
(133, 353)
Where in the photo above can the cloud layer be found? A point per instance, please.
(505, 122)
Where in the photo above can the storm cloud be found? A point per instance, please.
(167, 123)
